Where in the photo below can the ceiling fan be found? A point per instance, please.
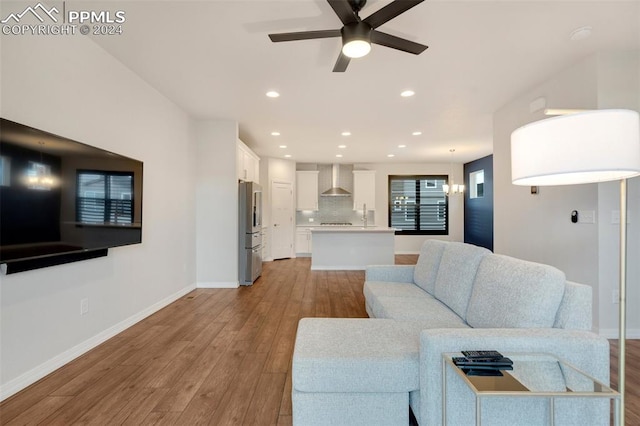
(358, 34)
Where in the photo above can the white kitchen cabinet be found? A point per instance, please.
(303, 240)
(364, 189)
(247, 163)
(307, 190)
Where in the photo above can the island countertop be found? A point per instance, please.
(360, 229)
(351, 247)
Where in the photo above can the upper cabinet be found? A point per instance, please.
(247, 163)
(364, 189)
(307, 190)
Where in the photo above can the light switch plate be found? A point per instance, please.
(615, 217)
(587, 216)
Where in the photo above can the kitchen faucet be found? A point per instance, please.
(364, 215)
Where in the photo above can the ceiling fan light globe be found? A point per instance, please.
(356, 48)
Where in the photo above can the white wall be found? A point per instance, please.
(408, 244)
(538, 227)
(216, 204)
(618, 87)
(71, 87)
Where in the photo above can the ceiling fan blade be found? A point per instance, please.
(341, 63)
(394, 42)
(343, 9)
(390, 11)
(304, 35)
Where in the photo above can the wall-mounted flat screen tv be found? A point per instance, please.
(62, 200)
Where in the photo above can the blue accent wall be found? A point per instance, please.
(478, 212)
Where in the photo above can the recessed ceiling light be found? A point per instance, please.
(287, 156)
(342, 146)
(273, 94)
(418, 133)
(283, 146)
(339, 155)
(275, 133)
(407, 93)
(580, 33)
(390, 155)
(346, 133)
(402, 146)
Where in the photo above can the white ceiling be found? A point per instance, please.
(214, 59)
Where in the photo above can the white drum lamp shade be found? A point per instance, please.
(586, 147)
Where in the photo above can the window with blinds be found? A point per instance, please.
(104, 197)
(418, 205)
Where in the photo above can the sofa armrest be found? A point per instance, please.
(585, 350)
(390, 273)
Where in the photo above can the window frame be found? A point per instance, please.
(419, 179)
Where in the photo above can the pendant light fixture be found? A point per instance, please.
(451, 187)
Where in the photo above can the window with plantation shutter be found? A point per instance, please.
(418, 205)
(104, 197)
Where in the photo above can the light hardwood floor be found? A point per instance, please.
(218, 357)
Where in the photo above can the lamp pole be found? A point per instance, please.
(623, 298)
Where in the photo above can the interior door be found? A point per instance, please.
(282, 219)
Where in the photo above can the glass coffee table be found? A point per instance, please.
(533, 375)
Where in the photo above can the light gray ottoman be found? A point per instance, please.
(354, 371)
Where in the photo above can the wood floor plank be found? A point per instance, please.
(39, 411)
(285, 421)
(82, 403)
(235, 403)
(265, 404)
(182, 392)
(183, 361)
(211, 392)
(139, 407)
(215, 356)
(285, 403)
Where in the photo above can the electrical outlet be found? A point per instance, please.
(615, 297)
(84, 306)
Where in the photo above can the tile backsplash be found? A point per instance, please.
(333, 209)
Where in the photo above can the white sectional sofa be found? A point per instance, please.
(457, 297)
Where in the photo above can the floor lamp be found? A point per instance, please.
(585, 147)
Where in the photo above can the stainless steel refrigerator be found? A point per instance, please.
(250, 232)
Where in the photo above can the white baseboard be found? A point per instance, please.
(407, 252)
(218, 284)
(48, 367)
(612, 333)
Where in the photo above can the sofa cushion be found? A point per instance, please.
(426, 270)
(514, 293)
(355, 355)
(430, 313)
(456, 274)
(373, 289)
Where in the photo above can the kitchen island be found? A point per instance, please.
(351, 247)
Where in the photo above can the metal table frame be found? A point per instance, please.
(551, 396)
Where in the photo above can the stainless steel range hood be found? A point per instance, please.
(335, 190)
